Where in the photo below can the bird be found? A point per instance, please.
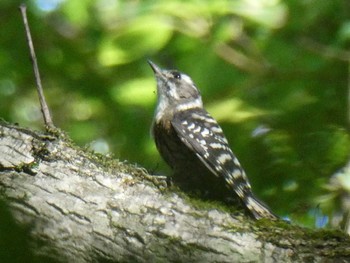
(193, 144)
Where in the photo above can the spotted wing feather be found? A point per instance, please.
(202, 134)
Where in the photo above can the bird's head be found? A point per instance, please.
(175, 89)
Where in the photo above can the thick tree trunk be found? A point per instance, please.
(80, 207)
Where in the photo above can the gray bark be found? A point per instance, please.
(85, 208)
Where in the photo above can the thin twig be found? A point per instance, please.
(44, 108)
(324, 50)
(348, 94)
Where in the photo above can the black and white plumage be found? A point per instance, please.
(195, 147)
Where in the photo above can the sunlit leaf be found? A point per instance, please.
(140, 92)
(77, 11)
(144, 35)
(270, 13)
(233, 110)
(344, 32)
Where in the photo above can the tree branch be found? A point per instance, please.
(82, 207)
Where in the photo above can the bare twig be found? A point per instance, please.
(324, 50)
(44, 108)
(238, 59)
(349, 94)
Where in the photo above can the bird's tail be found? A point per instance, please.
(258, 209)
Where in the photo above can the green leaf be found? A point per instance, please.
(143, 35)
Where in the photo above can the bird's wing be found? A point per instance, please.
(202, 134)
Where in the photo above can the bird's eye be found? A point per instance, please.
(177, 75)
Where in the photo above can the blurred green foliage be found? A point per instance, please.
(275, 73)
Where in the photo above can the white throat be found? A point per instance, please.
(164, 106)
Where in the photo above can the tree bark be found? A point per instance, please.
(82, 207)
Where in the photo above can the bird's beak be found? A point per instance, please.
(155, 68)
